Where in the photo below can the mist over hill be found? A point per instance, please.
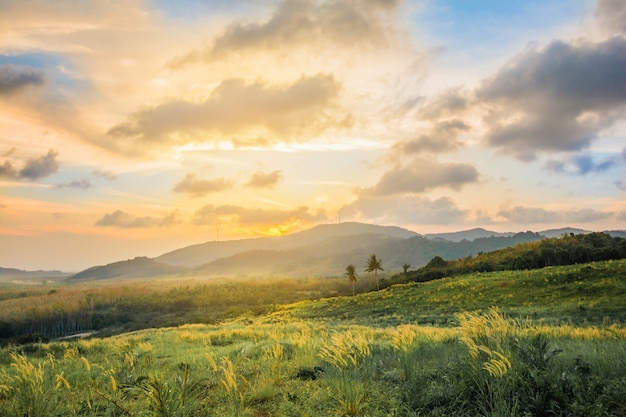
(323, 250)
(471, 234)
(139, 267)
(201, 254)
(14, 273)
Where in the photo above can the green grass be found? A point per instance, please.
(556, 347)
(586, 294)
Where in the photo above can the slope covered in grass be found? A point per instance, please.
(581, 294)
(335, 357)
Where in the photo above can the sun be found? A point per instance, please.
(276, 230)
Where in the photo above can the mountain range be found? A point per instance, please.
(320, 251)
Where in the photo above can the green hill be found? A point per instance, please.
(375, 354)
(577, 294)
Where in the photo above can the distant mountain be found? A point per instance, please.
(327, 257)
(331, 256)
(478, 233)
(563, 231)
(10, 273)
(617, 233)
(470, 235)
(201, 254)
(134, 268)
(320, 251)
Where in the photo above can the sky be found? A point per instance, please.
(135, 127)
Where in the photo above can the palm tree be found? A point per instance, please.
(374, 265)
(352, 276)
(405, 267)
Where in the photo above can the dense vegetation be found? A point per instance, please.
(358, 355)
(44, 312)
(47, 311)
(524, 342)
(566, 250)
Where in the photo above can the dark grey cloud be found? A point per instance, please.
(40, 167)
(583, 164)
(33, 168)
(299, 110)
(82, 184)
(533, 215)
(295, 23)
(405, 209)
(265, 179)
(199, 187)
(16, 77)
(611, 15)
(422, 175)
(556, 98)
(551, 99)
(210, 214)
(121, 219)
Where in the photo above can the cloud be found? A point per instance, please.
(211, 214)
(551, 99)
(585, 215)
(583, 164)
(555, 99)
(16, 77)
(448, 104)
(82, 184)
(422, 175)
(199, 187)
(403, 210)
(265, 179)
(40, 167)
(532, 215)
(107, 175)
(33, 168)
(299, 110)
(612, 15)
(9, 152)
(529, 215)
(295, 23)
(442, 137)
(124, 220)
(7, 170)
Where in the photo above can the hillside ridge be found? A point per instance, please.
(323, 250)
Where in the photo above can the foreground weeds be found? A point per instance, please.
(488, 365)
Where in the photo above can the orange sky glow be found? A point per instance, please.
(131, 128)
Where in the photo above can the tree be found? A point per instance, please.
(405, 268)
(374, 265)
(352, 276)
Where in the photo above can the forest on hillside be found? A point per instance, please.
(43, 312)
(566, 250)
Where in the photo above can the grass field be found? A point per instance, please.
(527, 343)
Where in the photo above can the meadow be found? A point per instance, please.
(517, 343)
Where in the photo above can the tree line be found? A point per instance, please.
(568, 249)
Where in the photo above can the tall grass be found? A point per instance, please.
(483, 363)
